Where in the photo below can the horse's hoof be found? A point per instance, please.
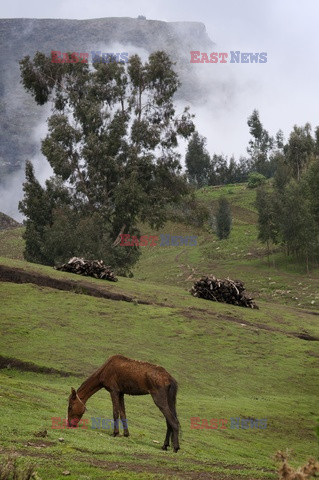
(116, 434)
(126, 434)
(164, 447)
(176, 450)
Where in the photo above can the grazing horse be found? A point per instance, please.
(120, 375)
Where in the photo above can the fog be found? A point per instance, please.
(12, 191)
(284, 89)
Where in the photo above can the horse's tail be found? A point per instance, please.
(172, 392)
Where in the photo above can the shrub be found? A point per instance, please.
(255, 180)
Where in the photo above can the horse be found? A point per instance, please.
(121, 375)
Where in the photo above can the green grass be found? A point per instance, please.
(224, 369)
(11, 243)
(229, 361)
(240, 256)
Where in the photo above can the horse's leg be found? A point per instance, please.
(161, 401)
(116, 409)
(123, 415)
(169, 432)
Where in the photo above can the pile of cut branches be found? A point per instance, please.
(89, 268)
(226, 291)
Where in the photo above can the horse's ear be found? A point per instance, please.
(73, 392)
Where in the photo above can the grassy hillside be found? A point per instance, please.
(240, 256)
(12, 243)
(229, 361)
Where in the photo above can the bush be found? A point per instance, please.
(255, 180)
(223, 218)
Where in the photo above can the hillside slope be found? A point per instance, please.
(278, 279)
(56, 328)
(230, 362)
(7, 222)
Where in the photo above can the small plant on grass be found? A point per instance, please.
(10, 470)
(286, 472)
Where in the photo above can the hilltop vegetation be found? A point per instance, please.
(229, 361)
(24, 36)
(7, 222)
(287, 205)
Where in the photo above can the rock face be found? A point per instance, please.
(19, 114)
(7, 222)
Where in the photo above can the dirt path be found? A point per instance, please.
(17, 275)
(144, 468)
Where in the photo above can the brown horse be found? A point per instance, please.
(120, 375)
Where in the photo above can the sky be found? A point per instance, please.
(283, 90)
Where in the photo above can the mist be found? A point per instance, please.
(222, 96)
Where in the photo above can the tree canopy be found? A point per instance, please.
(111, 143)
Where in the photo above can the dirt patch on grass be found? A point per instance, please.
(310, 312)
(307, 336)
(168, 471)
(7, 362)
(17, 275)
(260, 326)
(40, 444)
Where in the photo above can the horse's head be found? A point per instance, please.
(76, 409)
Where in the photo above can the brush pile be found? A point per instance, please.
(225, 291)
(89, 268)
(286, 472)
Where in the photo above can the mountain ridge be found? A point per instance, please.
(19, 115)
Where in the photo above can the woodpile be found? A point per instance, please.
(226, 291)
(89, 268)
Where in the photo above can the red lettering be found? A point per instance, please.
(214, 57)
(194, 423)
(84, 57)
(124, 240)
(204, 423)
(56, 423)
(135, 241)
(204, 58)
(65, 58)
(84, 422)
(74, 57)
(55, 56)
(143, 241)
(74, 423)
(194, 58)
(153, 239)
(223, 55)
(223, 422)
(213, 424)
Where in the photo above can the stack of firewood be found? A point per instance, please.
(226, 291)
(89, 268)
